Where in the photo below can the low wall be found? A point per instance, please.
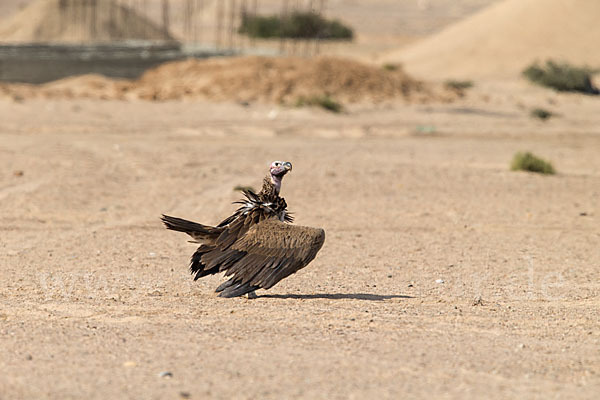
(39, 63)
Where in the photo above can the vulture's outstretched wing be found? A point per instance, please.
(255, 247)
(267, 253)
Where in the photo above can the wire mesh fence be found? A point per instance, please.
(211, 23)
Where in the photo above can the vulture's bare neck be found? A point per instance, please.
(271, 187)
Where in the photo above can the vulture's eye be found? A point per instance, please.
(277, 164)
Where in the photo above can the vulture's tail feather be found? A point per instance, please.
(182, 225)
(229, 289)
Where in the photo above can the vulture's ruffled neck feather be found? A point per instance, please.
(271, 187)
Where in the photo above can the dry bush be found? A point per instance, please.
(531, 163)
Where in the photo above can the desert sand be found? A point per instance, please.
(500, 41)
(443, 274)
(97, 302)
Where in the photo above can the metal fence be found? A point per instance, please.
(213, 23)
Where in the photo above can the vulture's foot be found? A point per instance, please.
(251, 295)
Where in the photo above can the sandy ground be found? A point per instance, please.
(96, 301)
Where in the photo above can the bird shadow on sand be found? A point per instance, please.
(337, 296)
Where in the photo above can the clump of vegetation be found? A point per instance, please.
(297, 25)
(529, 162)
(323, 101)
(541, 113)
(458, 85)
(562, 77)
(242, 188)
(390, 67)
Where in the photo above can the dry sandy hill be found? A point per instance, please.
(278, 80)
(9, 7)
(76, 21)
(501, 40)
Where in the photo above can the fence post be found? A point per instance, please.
(93, 15)
(318, 39)
(165, 18)
(198, 21)
(219, 26)
(243, 14)
(254, 14)
(284, 12)
(232, 7)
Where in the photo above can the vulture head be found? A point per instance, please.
(277, 170)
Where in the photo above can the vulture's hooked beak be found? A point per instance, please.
(279, 168)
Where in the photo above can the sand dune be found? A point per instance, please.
(501, 40)
(52, 20)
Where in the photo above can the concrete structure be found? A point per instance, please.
(39, 63)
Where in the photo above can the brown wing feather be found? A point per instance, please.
(273, 251)
(215, 254)
(252, 246)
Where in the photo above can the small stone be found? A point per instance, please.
(18, 173)
(185, 395)
(29, 357)
(440, 281)
(410, 285)
(152, 254)
(521, 346)
(166, 374)
(129, 364)
(478, 301)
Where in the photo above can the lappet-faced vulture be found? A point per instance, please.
(257, 246)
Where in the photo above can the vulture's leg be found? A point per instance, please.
(252, 295)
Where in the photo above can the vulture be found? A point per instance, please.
(257, 246)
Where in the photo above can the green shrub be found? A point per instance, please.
(324, 102)
(297, 25)
(562, 77)
(242, 188)
(390, 67)
(529, 162)
(541, 113)
(458, 85)
(261, 26)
